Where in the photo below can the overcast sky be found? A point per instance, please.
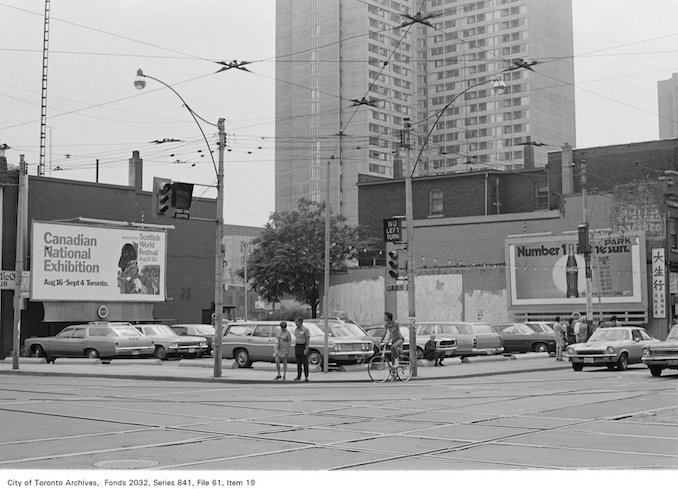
(622, 48)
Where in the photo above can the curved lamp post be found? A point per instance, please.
(498, 87)
(140, 84)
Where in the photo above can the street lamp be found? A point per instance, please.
(498, 86)
(140, 84)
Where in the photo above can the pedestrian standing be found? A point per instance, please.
(302, 336)
(282, 349)
(560, 330)
(570, 337)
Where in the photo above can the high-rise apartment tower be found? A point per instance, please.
(667, 97)
(349, 73)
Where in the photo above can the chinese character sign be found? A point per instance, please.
(658, 283)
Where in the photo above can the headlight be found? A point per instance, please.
(610, 349)
(338, 347)
(570, 350)
(203, 344)
(174, 345)
(646, 351)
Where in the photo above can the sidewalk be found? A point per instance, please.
(202, 370)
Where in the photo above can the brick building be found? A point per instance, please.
(461, 223)
(190, 252)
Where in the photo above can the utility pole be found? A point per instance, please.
(21, 232)
(409, 217)
(587, 252)
(219, 259)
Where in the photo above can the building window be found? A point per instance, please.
(435, 202)
(541, 192)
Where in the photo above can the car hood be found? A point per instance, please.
(605, 344)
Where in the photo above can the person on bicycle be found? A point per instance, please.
(392, 328)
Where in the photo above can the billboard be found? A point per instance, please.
(546, 270)
(76, 262)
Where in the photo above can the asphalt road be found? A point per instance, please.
(552, 419)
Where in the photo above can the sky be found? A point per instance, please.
(622, 48)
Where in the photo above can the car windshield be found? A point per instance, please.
(673, 334)
(540, 327)
(206, 329)
(159, 330)
(127, 331)
(347, 329)
(610, 334)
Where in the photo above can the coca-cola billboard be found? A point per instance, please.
(547, 269)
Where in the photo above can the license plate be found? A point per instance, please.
(135, 352)
(589, 360)
(191, 350)
(673, 363)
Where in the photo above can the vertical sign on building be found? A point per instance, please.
(658, 283)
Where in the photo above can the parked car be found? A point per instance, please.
(471, 338)
(253, 341)
(103, 340)
(342, 328)
(170, 344)
(522, 338)
(205, 330)
(612, 347)
(664, 354)
(422, 334)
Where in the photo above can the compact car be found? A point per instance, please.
(521, 338)
(170, 344)
(610, 347)
(204, 330)
(253, 341)
(662, 355)
(105, 340)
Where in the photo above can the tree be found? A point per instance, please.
(288, 257)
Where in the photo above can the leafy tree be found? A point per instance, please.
(288, 257)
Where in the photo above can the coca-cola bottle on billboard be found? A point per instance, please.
(571, 273)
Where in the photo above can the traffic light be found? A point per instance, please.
(162, 196)
(182, 195)
(392, 264)
(584, 244)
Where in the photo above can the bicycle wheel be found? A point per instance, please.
(379, 369)
(404, 368)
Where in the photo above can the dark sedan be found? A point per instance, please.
(521, 338)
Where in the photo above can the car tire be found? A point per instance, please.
(623, 362)
(91, 353)
(38, 351)
(420, 354)
(242, 358)
(577, 367)
(314, 358)
(540, 347)
(160, 352)
(655, 371)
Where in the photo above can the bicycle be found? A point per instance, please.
(381, 368)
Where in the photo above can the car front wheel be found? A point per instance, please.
(577, 367)
(242, 358)
(623, 362)
(655, 371)
(160, 352)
